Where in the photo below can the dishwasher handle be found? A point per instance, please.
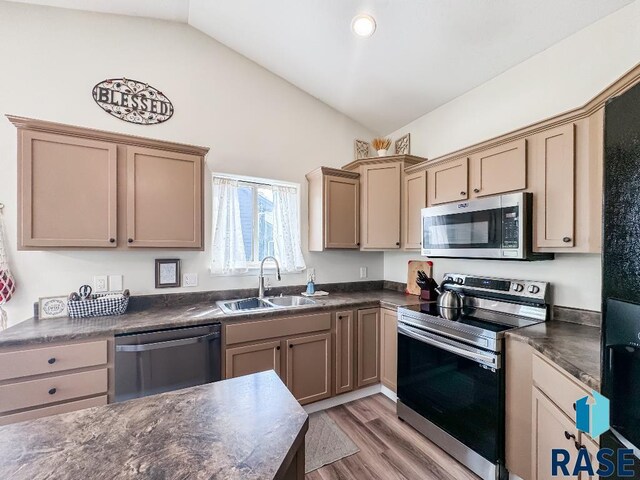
(144, 347)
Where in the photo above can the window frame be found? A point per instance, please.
(254, 266)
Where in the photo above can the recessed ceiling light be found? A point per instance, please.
(363, 25)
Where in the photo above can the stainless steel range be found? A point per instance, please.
(451, 367)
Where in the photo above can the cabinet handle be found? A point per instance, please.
(51, 361)
(358, 244)
(130, 240)
(575, 409)
(578, 446)
(52, 391)
(569, 436)
(278, 347)
(566, 239)
(397, 244)
(476, 190)
(463, 194)
(112, 240)
(291, 345)
(339, 317)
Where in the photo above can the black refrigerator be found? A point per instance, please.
(621, 272)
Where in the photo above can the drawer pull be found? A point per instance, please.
(52, 391)
(476, 190)
(566, 239)
(463, 194)
(51, 361)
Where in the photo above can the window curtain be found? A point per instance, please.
(286, 229)
(227, 252)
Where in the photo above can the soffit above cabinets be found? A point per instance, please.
(423, 53)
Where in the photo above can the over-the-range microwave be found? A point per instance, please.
(498, 227)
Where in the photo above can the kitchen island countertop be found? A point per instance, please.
(244, 428)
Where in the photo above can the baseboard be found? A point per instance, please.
(341, 399)
(387, 392)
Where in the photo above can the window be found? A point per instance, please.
(254, 218)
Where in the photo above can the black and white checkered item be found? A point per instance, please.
(99, 305)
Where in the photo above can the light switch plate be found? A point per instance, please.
(115, 283)
(363, 272)
(190, 280)
(100, 284)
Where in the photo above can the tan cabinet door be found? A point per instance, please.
(499, 170)
(380, 222)
(554, 157)
(67, 191)
(164, 199)
(551, 429)
(448, 182)
(368, 347)
(344, 351)
(389, 348)
(592, 448)
(309, 367)
(414, 200)
(342, 212)
(255, 358)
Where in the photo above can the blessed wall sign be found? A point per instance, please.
(133, 101)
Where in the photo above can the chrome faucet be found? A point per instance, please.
(261, 276)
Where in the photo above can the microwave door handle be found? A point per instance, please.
(168, 344)
(490, 360)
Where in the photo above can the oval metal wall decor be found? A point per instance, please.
(133, 101)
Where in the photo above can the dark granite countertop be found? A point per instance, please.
(574, 347)
(35, 331)
(244, 428)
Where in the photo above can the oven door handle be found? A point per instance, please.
(486, 359)
(169, 343)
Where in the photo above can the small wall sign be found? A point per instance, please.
(133, 101)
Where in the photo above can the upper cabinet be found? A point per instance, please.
(67, 191)
(500, 169)
(164, 199)
(83, 188)
(334, 209)
(448, 182)
(414, 200)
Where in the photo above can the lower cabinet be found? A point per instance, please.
(309, 367)
(344, 351)
(254, 358)
(367, 347)
(389, 348)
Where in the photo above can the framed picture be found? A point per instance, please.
(361, 149)
(52, 307)
(167, 272)
(403, 145)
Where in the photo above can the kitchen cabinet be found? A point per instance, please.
(380, 203)
(499, 169)
(67, 191)
(554, 162)
(253, 358)
(448, 182)
(368, 347)
(164, 199)
(309, 367)
(414, 200)
(334, 209)
(344, 344)
(389, 348)
(128, 191)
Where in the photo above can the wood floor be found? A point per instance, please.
(389, 448)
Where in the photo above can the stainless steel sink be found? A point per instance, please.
(290, 301)
(257, 304)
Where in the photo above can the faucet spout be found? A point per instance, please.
(261, 276)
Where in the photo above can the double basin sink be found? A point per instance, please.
(267, 303)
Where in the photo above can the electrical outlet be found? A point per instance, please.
(115, 283)
(190, 280)
(363, 272)
(100, 284)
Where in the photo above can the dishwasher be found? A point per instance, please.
(153, 362)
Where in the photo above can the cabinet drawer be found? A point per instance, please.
(276, 327)
(36, 361)
(53, 410)
(16, 396)
(561, 389)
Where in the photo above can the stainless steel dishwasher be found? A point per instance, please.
(159, 361)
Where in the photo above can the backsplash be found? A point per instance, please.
(576, 315)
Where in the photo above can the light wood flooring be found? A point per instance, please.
(389, 448)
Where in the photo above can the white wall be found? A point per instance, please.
(255, 123)
(560, 78)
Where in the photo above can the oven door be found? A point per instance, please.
(457, 387)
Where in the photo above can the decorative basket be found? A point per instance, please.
(99, 305)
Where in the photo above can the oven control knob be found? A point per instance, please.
(459, 281)
(449, 279)
(534, 289)
(518, 287)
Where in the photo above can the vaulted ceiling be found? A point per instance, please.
(423, 53)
